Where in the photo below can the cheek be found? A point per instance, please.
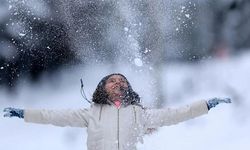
(125, 85)
(108, 87)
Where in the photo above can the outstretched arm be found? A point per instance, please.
(169, 116)
(74, 118)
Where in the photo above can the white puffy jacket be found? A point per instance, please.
(110, 128)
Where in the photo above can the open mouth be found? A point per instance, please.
(117, 90)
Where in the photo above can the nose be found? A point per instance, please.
(118, 82)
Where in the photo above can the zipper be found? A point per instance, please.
(100, 113)
(118, 138)
(135, 114)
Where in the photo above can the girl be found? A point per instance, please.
(116, 120)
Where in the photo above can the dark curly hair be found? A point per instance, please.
(100, 95)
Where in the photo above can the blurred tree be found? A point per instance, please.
(39, 43)
(228, 26)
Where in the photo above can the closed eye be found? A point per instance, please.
(111, 80)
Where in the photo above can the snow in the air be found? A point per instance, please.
(138, 62)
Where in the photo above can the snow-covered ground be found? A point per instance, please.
(225, 127)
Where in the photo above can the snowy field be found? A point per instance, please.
(226, 127)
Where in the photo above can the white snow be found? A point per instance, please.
(22, 34)
(138, 62)
(225, 127)
(10, 6)
(188, 16)
(146, 51)
(126, 29)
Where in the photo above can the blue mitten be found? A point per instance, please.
(13, 112)
(215, 101)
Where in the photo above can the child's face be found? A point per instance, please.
(115, 86)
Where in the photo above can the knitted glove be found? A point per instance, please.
(215, 101)
(13, 112)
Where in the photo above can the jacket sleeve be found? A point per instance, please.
(67, 117)
(168, 116)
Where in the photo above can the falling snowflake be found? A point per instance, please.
(187, 15)
(10, 6)
(138, 62)
(147, 51)
(126, 29)
(21, 34)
